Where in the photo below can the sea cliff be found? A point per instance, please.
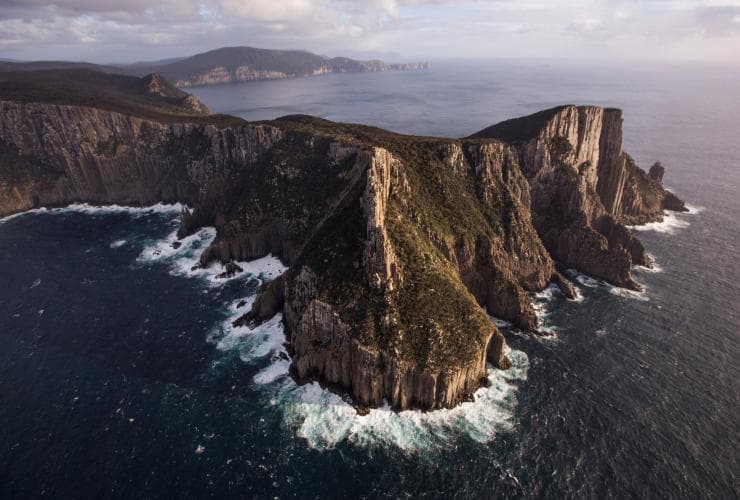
(585, 188)
(398, 247)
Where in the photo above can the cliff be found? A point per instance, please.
(396, 245)
(585, 188)
(393, 243)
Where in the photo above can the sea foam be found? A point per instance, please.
(672, 221)
(542, 304)
(86, 208)
(183, 257)
(325, 419)
(589, 282)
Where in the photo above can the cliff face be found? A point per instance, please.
(218, 75)
(397, 245)
(585, 188)
(54, 155)
(393, 246)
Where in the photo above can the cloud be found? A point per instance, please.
(718, 21)
(271, 10)
(106, 30)
(178, 8)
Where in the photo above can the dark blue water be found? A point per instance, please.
(120, 378)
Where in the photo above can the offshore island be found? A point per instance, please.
(399, 247)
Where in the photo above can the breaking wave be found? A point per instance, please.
(86, 208)
(319, 416)
(542, 303)
(590, 282)
(672, 221)
(325, 419)
(183, 257)
(654, 268)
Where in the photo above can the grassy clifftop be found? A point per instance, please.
(519, 129)
(150, 96)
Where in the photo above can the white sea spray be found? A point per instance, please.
(672, 221)
(315, 414)
(325, 419)
(183, 257)
(86, 208)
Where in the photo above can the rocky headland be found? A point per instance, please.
(229, 65)
(398, 247)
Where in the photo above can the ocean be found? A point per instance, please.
(121, 376)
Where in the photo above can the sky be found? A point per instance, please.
(120, 31)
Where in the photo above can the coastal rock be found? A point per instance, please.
(231, 269)
(565, 286)
(585, 188)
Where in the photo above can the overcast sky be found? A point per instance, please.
(130, 30)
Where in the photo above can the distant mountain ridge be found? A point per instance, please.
(240, 64)
(230, 65)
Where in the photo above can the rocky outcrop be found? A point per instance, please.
(356, 326)
(398, 246)
(585, 188)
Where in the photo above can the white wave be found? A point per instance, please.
(694, 209)
(183, 255)
(118, 243)
(182, 248)
(21, 214)
(672, 222)
(589, 282)
(86, 208)
(278, 369)
(101, 209)
(325, 419)
(579, 295)
(629, 294)
(584, 280)
(654, 268)
(541, 303)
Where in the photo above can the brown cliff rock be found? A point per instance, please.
(394, 242)
(584, 188)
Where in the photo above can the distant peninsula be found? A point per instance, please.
(229, 65)
(399, 247)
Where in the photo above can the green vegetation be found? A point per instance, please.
(290, 62)
(432, 318)
(518, 129)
